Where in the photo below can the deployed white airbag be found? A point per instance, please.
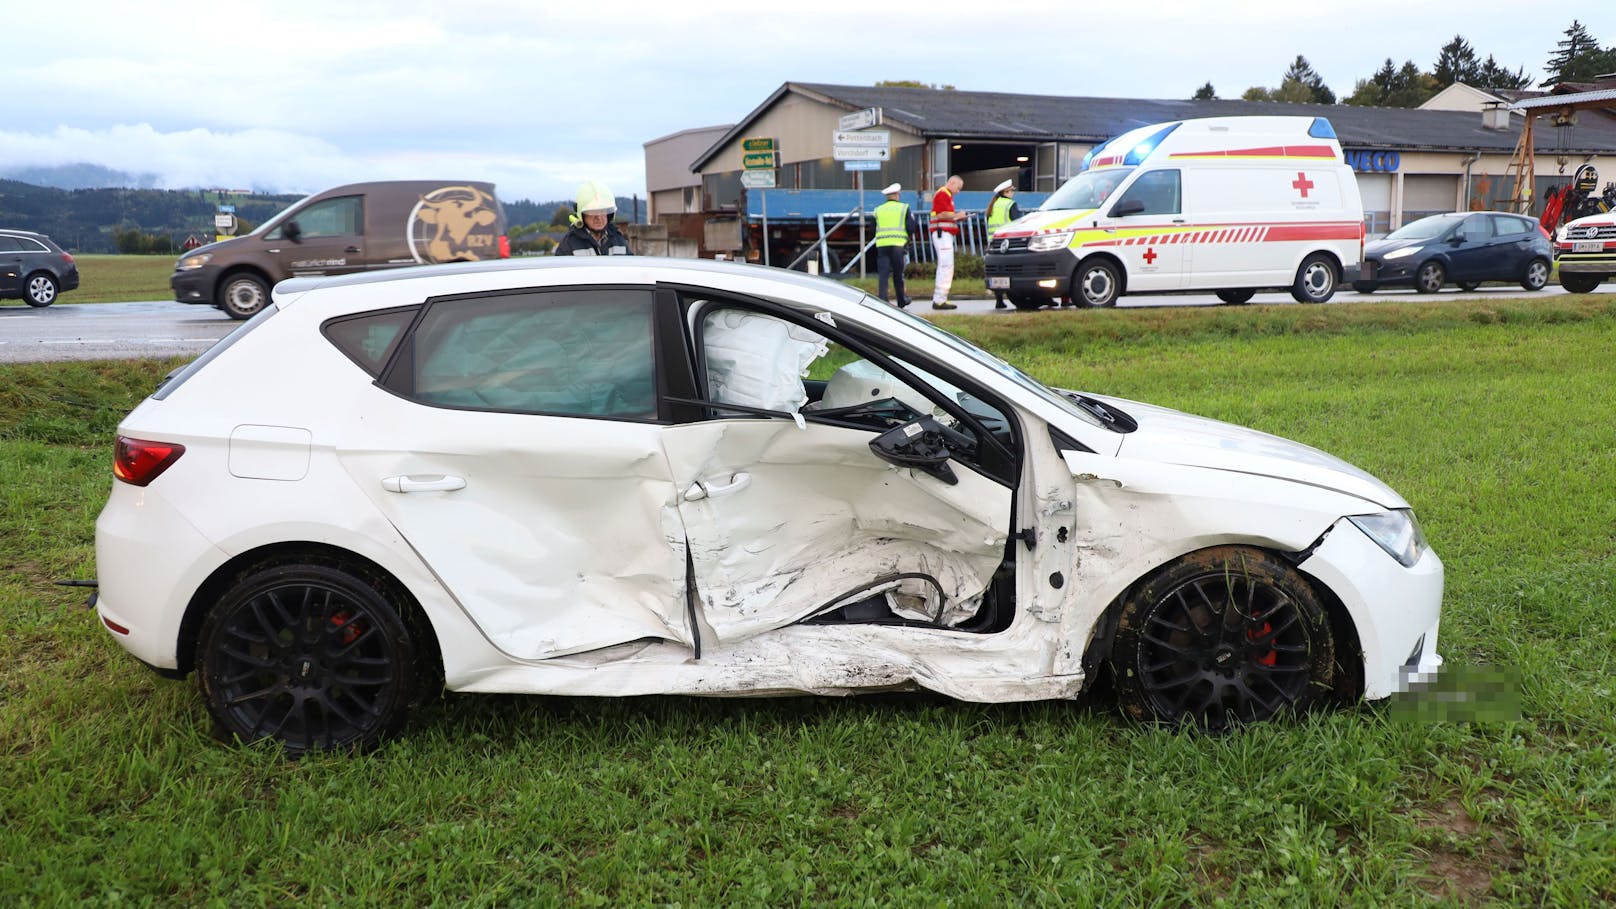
(758, 361)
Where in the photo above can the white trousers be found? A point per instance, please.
(944, 244)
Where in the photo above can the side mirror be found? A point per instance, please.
(1130, 207)
(291, 231)
(920, 444)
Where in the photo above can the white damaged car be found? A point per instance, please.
(646, 476)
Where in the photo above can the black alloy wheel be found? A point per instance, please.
(1224, 636)
(313, 656)
(1430, 278)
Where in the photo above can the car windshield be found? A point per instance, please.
(1423, 229)
(1089, 189)
(982, 358)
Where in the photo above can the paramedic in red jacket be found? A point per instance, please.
(944, 233)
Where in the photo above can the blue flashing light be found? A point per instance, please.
(1094, 153)
(1142, 151)
(1321, 129)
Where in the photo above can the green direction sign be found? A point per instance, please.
(756, 144)
(758, 160)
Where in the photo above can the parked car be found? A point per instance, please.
(1463, 248)
(612, 477)
(34, 269)
(1586, 252)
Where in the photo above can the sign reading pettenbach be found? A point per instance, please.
(1365, 159)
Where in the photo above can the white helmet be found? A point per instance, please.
(595, 198)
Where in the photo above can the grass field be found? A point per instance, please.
(118, 279)
(1494, 419)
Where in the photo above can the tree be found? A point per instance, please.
(912, 83)
(1257, 93)
(1456, 62)
(1205, 93)
(1491, 74)
(1579, 58)
(562, 216)
(1394, 86)
(1303, 72)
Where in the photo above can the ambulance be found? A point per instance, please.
(1232, 205)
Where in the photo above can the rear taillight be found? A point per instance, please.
(504, 246)
(67, 258)
(138, 462)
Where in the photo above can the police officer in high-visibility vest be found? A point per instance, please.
(1001, 211)
(894, 225)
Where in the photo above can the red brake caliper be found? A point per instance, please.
(1272, 656)
(351, 629)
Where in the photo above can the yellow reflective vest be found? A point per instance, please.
(999, 213)
(890, 229)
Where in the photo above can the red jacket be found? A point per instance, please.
(943, 201)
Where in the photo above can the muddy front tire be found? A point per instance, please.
(1222, 637)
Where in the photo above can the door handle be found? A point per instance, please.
(699, 491)
(423, 483)
(352, 249)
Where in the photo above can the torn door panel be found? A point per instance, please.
(810, 516)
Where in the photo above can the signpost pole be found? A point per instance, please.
(763, 196)
(858, 184)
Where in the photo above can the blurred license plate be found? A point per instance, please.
(999, 282)
(1588, 246)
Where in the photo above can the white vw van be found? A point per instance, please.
(1227, 204)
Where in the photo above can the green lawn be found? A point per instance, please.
(117, 279)
(1494, 419)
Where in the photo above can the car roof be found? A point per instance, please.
(16, 232)
(660, 269)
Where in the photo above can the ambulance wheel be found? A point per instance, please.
(1468, 286)
(1028, 302)
(1430, 278)
(1366, 287)
(1580, 284)
(1096, 283)
(1315, 280)
(1238, 296)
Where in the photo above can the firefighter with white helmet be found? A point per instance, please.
(593, 233)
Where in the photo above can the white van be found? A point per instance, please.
(1227, 204)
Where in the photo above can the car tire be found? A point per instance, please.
(1580, 283)
(1468, 286)
(1028, 302)
(41, 289)
(1222, 637)
(1236, 296)
(1096, 283)
(243, 294)
(1537, 275)
(1430, 277)
(1315, 280)
(1366, 287)
(312, 655)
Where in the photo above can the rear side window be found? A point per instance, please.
(573, 353)
(27, 244)
(369, 339)
(9, 244)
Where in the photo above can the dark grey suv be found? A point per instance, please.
(33, 269)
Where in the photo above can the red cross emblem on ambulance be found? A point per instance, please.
(1302, 184)
(1150, 256)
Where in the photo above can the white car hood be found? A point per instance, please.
(1172, 437)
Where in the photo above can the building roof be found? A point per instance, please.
(1001, 116)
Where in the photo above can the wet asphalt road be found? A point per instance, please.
(164, 328)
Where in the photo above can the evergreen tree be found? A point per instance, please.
(1579, 58)
(1393, 86)
(1205, 93)
(1456, 62)
(1491, 74)
(1302, 72)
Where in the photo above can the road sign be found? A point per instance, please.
(870, 116)
(758, 144)
(860, 152)
(225, 222)
(870, 137)
(760, 160)
(861, 165)
(757, 179)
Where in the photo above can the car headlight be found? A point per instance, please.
(1046, 242)
(1397, 532)
(1402, 253)
(191, 263)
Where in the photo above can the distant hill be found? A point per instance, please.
(82, 220)
(80, 176)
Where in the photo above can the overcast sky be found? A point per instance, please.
(297, 96)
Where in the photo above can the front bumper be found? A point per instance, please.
(195, 285)
(1045, 274)
(1379, 271)
(1396, 610)
(1586, 263)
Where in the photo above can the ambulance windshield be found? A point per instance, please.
(1087, 190)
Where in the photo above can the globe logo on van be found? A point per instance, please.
(453, 224)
